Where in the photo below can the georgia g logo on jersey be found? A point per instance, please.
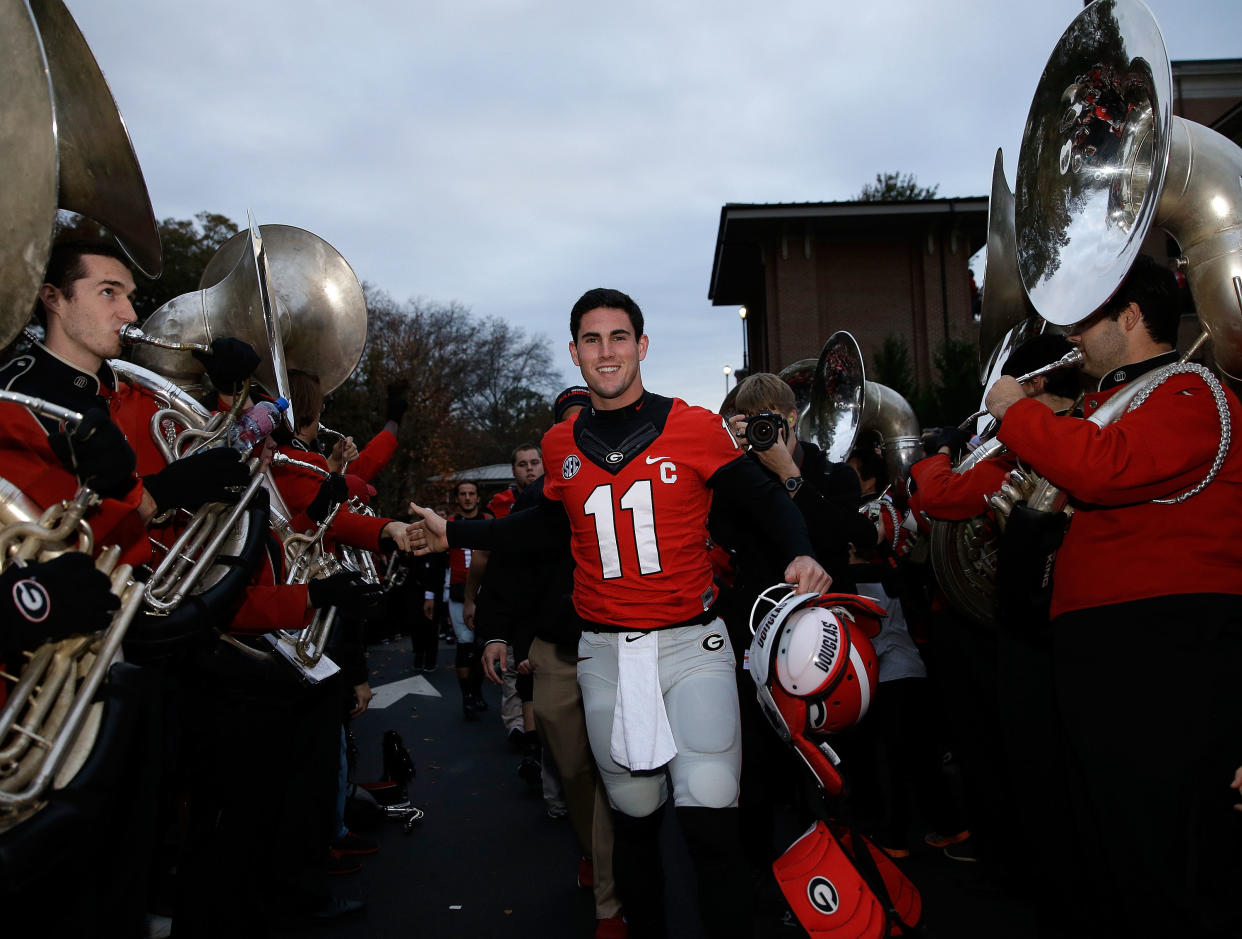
(569, 469)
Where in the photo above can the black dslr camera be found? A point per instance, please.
(764, 429)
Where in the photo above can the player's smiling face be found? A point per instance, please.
(608, 354)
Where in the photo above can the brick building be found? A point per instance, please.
(805, 270)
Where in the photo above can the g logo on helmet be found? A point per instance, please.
(823, 895)
(569, 469)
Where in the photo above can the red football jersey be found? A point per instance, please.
(639, 519)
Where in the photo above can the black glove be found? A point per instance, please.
(397, 403)
(216, 475)
(51, 600)
(347, 591)
(952, 437)
(333, 490)
(98, 454)
(229, 363)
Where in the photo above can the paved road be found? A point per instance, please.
(488, 862)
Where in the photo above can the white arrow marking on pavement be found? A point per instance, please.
(393, 692)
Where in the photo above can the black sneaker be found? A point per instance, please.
(530, 771)
(961, 851)
(516, 738)
(469, 710)
(479, 703)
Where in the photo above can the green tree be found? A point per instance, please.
(954, 393)
(477, 388)
(894, 187)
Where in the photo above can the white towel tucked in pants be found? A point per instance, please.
(641, 736)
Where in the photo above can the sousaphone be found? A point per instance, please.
(1103, 159)
(63, 144)
(282, 289)
(844, 402)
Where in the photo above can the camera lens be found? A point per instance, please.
(763, 430)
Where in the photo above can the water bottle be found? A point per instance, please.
(255, 423)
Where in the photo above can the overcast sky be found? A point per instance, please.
(510, 154)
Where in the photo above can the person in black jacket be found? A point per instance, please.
(828, 495)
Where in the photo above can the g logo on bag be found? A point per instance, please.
(569, 469)
(823, 895)
(713, 642)
(32, 600)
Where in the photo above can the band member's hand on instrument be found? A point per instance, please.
(346, 590)
(807, 576)
(332, 491)
(51, 600)
(343, 451)
(951, 438)
(98, 454)
(229, 363)
(495, 655)
(216, 475)
(397, 402)
(428, 534)
(1001, 395)
(362, 698)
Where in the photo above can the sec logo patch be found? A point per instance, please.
(569, 469)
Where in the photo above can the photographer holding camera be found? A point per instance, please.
(828, 495)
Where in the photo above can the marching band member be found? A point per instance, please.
(1147, 617)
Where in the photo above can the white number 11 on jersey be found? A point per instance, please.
(636, 501)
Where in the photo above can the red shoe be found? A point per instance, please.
(611, 928)
(586, 872)
(339, 863)
(937, 840)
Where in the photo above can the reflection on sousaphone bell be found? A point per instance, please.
(1103, 159)
(64, 145)
(282, 289)
(844, 402)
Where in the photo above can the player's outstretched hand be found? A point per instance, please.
(428, 533)
(807, 576)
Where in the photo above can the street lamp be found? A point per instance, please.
(727, 370)
(741, 312)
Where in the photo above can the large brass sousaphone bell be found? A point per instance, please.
(844, 402)
(63, 144)
(282, 289)
(1005, 306)
(1103, 159)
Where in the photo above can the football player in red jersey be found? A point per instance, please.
(633, 477)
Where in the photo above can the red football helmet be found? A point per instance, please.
(814, 669)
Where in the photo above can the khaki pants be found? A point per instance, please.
(561, 723)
